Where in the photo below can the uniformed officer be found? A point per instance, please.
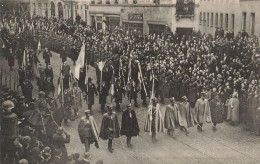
(91, 90)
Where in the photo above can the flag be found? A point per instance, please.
(60, 84)
(91, 72)
(25, 60)
(39, 46)
(80, 61)
(129, 69)
(112, 89)
(101, 65)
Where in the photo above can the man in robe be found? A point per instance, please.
(233, 109)
(170, 116)
(185, 116)
(154, 120)
(130, 125)
(202, 111)
(110, 127)
(216, 110)
(87, 130)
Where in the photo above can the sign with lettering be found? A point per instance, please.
(135, 17)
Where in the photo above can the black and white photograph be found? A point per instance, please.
(130, 81)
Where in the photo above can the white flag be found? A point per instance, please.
(80, 61)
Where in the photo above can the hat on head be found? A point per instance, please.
(23, 161)
(7, 105)
(172, 99)
(60, 130)
(184, 98)
(41, 94)
(129, 105)
(87, 111)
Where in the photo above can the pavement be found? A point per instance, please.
(226, 145)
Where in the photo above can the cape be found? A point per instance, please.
(93, 128)
(129, 124)
(158, 119)
(185, 115)
(107, 122)
(202, 114)
(170, 117)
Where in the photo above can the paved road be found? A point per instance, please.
(228, 145)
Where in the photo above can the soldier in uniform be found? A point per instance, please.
(76, 97)
(9, 129)
(47, 56)
(59, 141)
(110, 127)
(170, 117)
(103, 92)
(130, 125)
(118, 94)
(27, 88)
(66, 73)
(87, 130)
(91, 90)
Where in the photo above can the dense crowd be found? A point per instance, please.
(163, 66)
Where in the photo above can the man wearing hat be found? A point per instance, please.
(9, 127)
(76, 97)
(59, 141)
(154, 121)
(202, 111)
(27, 89)
(110, 127)
(87, 130)
(91, 90)
(170, 117)
(129, 124)
(185, 115)
(41, 108)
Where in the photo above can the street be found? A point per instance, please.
(227, 145)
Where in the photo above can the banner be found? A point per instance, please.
(80, 61)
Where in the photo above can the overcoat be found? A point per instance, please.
(202, 111)
(216, 109)
(185, 115)
(170, 117)
(233, 109)
(130, 125)
(110, 127)
(91, 90)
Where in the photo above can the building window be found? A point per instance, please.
(134, 1)
(92, 1)
(211, 21)
(204, 19)
(244, 21)
(34, 9)
(208, 19)
(107, 1)
(216, 20)
(133, 27)
(252, 24)
(126, 1)
(221, 20)
(99, 2)
(233, 21)
(116, 1)
(46, 9)
(226, 21)
(200, 18)
(156, 29)
(185, 7)
(86, 12)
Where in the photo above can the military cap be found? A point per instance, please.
(184, 98)
(129, 105)
(87, 111)
(60, 130)
(172, 99)
(23, 161)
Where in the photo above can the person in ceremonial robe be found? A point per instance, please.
(233, 109)
(110, 127)
(170, 117)
(76, 97)
(216, 110)
(154, 119)
(202, 111)
(87, 130)
(130, 126)
(91, 90)
(185, 115)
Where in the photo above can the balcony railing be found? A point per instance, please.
(185, 8)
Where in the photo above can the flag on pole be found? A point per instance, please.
(39, 46)
(80, 61)
(25, 61)
(101, 65)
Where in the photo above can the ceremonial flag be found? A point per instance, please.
(80, 61)
(25, 60)
(101, 65)
(39, 46)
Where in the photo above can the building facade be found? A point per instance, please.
(230, 15)
(146, 16)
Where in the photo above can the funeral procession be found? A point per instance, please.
(130, 81)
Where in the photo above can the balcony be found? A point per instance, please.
(185, 9)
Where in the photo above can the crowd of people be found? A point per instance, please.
(205, 79)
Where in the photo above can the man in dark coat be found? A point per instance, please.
(49, 72)
(48, 87)
(47, 56)
(63, 54)
(66, 73)
(91, 90)
(27, 88)
(110, 127)
(10, 58)
(103, 92)
(133, 91)
(59, 143)
(118, 94)
(216, 109)
(130, 125)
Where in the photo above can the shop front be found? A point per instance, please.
(133, 23)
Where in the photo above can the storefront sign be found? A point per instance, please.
(135, 17)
